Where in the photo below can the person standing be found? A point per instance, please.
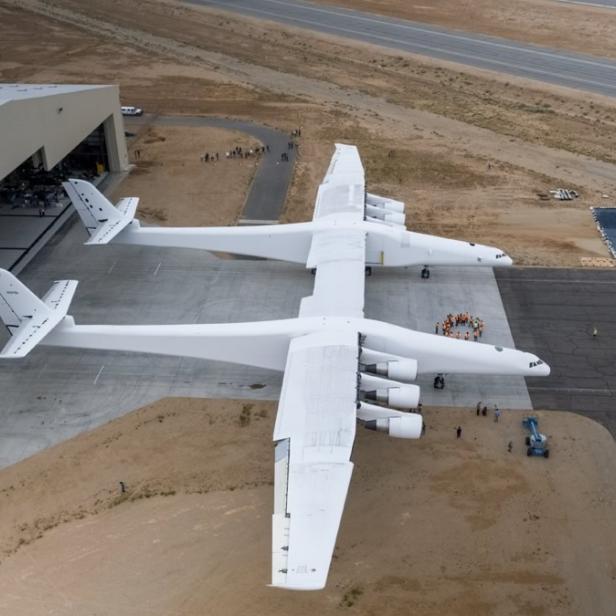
(459, 432)
(478, 408)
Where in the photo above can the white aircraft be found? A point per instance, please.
(342, 206)
(338, 366)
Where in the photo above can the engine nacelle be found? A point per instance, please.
(402, 397)
(397, 218)
(385, 203)
(389, 223)
(397, 369)
(405, 426)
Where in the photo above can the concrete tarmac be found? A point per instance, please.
(579, 71)
(56, 393)
(552, 312)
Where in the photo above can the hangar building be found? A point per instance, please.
(50, 133)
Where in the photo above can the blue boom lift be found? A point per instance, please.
(536, 443)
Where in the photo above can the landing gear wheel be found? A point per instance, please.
(546, 453)
(368, 270)
(527, 441)
(529, 451)
(425, 272)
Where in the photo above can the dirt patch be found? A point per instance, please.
(177, 187)
(469, 527)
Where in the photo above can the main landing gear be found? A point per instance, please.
(439, 381)
(425, 272)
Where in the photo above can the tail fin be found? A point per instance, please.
(101, 219)
(28, 318)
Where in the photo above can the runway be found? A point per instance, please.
(582, 72)
(604, 4)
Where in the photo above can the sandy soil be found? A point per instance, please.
(581, 28)
(443, 139)
(176, 187)
(469, 529)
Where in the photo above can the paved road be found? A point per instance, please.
(609, 4)
(269, 187)
(551, 312)
(577, 71)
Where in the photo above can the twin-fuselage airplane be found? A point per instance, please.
(338, 366)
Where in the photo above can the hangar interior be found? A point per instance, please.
(51, 133)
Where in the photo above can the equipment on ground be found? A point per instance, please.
(536, 442)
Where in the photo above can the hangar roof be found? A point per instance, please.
(20, 91)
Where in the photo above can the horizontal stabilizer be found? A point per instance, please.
(28, 318)
(101, 219)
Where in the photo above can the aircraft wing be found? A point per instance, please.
(343, 189)
(339, 257)
(314, 434)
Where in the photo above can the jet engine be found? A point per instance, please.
(385, 215)
(399, 369)
(402, 426)
(401, 397)
(385, 203)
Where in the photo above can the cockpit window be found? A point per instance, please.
(535, 363)
(500, 255)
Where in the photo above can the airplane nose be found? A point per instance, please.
(544, 370)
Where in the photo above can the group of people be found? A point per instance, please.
(483, 410)
(237, 152)
(462, 319)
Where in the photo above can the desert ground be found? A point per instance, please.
(471, 154)
(176, 187)
(431, 527)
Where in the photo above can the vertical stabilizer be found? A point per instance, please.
(28, 318)
(101, 219)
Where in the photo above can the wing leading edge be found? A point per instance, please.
(314, 434)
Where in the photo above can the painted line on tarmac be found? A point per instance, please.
(584, 390)
(99, 374)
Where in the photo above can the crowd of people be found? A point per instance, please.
(240, 152)
(453, 322)
(237, 152)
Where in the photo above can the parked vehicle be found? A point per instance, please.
(131, 111)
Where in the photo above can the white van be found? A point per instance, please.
(131, 111)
